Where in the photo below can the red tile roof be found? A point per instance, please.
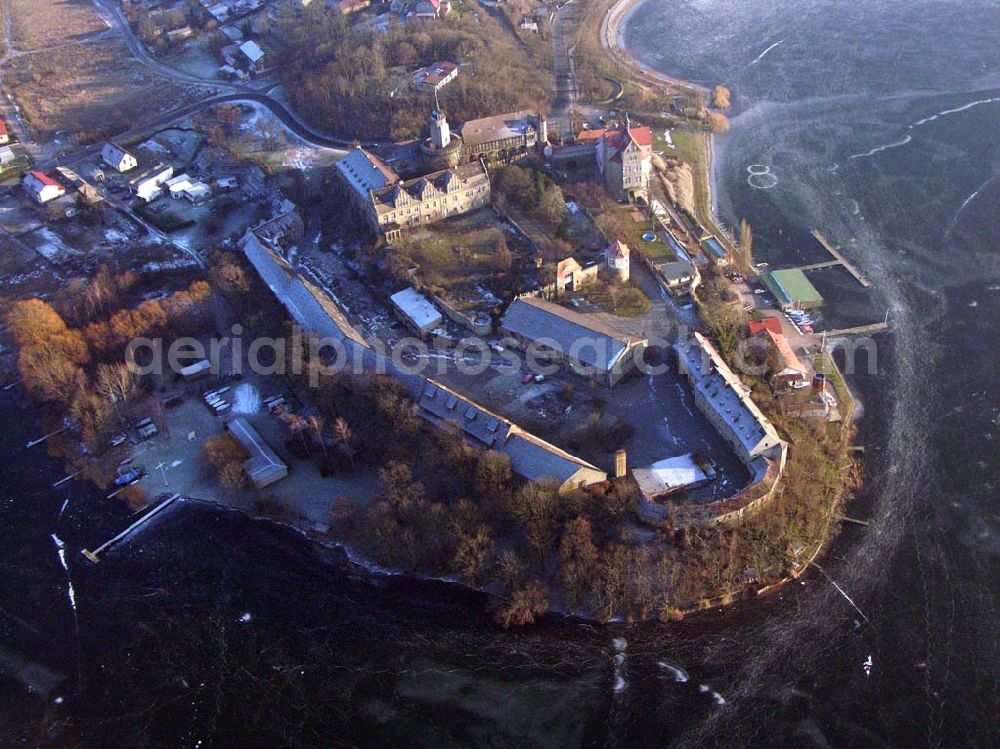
(643, 136)
(3, 128)
(45, 179)
(772, 324)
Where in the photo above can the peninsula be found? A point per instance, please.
(372, 271)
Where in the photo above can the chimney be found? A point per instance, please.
(819, 382)
(621, 464)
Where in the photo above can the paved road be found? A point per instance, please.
(223, 90)
(563, 66)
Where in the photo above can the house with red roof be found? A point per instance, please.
(434, 77)
(421, 8)
(41, 187)
(4, 134)
(624, 157)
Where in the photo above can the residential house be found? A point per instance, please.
(430, 8)
(434, 77)
(41, 187)
(4, 134)
(186, 186)
(571, 276)
(589, 347)
(14, 161)
(787, 368)
(251, 55)
(346, 7)
(624, 158)
(91, 195)
(148, 184)
(118, 158)
(678, 276)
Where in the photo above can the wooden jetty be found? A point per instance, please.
(95, 555)
(875, 327)
(839, 259)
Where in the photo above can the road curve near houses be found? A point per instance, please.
(234, 91)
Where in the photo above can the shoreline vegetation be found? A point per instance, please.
(441, 509)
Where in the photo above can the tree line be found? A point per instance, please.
(71, 353)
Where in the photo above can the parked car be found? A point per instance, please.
(527, 378)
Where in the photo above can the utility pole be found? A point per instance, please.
(163, 471)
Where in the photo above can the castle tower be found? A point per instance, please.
(440, 132)
(543, 132)
(616, 255)
(441, 150)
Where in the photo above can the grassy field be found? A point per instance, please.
(623, 300)
(89, 90)
(461, 254)
(41, 24)
(692, 147)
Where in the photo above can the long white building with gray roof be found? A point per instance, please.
(726, 402)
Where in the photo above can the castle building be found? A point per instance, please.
(624, 158)
(390, 205)
(504, 138)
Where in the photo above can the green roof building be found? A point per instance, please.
(792, 289)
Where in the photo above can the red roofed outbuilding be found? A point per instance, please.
(765, 323)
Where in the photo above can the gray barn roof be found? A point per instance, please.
(263, 466)
(585, 339)
(537, 463)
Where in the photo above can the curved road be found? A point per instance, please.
(610, 27)
(237, 91)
